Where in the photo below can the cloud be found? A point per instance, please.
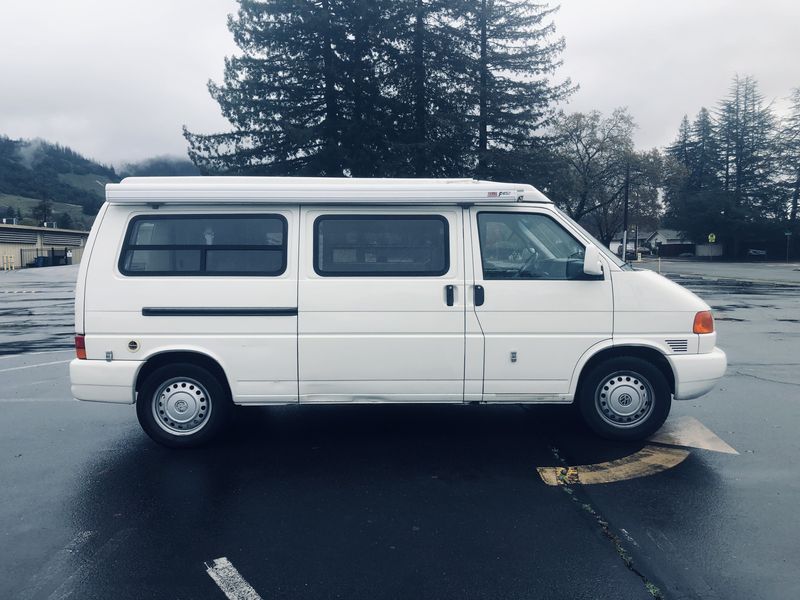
(28, 152)
(666, 59)
(117, 80)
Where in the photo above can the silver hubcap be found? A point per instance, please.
(181, 406)
(624, 399)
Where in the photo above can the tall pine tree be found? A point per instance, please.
(724, 179)
(696, 204)
(790, 142)
(746, 130)
(383, 88)
(282, 94)
(515, 59)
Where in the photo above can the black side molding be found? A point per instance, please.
(218, 312)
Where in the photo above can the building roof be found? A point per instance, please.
(42, 229)
(671, 234)
(643, 237)
(315, 190)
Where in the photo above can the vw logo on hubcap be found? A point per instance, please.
(181, 406)
(625, 399)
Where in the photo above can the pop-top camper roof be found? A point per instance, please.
(315, 190)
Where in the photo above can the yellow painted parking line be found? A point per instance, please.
(679, 431)
(689, 432)
(647, 461)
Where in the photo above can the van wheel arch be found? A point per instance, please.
(651, 355)
(199, 359)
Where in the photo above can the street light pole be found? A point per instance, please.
(625, 211)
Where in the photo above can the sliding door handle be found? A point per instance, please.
(450, 291)
(479, 295)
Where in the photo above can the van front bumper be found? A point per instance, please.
(697, 374)
(104, 381)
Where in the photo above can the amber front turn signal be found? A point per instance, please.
(80, 347)
(703, 322)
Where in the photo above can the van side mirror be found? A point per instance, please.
(592, 265)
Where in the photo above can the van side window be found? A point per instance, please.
(205, 245)
(527, 246)
(381, 245)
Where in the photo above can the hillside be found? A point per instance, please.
(74, 186)
(35, 170)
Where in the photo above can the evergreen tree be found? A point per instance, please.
(42, 211)
(64, 221)
(722, 178)
(696, 205)
(515, 58)
(746, 130)
(680, 149)
(282, 94)
(430, 74)
(705, 153)
(790, 141)
(383, 87)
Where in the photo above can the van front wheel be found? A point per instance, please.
(182, 405)
(625, 398)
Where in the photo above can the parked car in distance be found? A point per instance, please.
(198, 294)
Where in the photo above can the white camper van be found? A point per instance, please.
(198, 294)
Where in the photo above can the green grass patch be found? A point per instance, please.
(26, 206)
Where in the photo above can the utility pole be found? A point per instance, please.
(625, 211)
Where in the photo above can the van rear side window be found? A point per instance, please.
(212, 245)
(381, 245)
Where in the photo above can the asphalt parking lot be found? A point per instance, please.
(402, 502)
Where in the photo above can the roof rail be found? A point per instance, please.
(315, 190)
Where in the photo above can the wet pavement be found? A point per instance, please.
(768, 272)
(36, 309)
(396, 501)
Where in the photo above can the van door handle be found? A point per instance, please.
(451, 294)
(479, 295)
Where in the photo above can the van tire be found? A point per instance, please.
(198, 402)
(624, 398)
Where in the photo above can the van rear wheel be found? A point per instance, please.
(625, 398)
(183, 405)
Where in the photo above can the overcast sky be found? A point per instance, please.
(116, 79)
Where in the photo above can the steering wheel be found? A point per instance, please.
(531, 264)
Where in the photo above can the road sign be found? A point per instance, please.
(712, 237)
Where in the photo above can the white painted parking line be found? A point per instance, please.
(230, 580)
(690, 433)
(57, 566)
(108, 553)
(24, 354)
(55, 362)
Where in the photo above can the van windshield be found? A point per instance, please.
(600, 245)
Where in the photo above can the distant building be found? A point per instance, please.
(616, 243)
(661, 242)
(670, 242)
(22, 246)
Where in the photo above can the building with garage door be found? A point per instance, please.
(22, 246)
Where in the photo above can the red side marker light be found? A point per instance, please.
(80, 347)
(703, 322)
